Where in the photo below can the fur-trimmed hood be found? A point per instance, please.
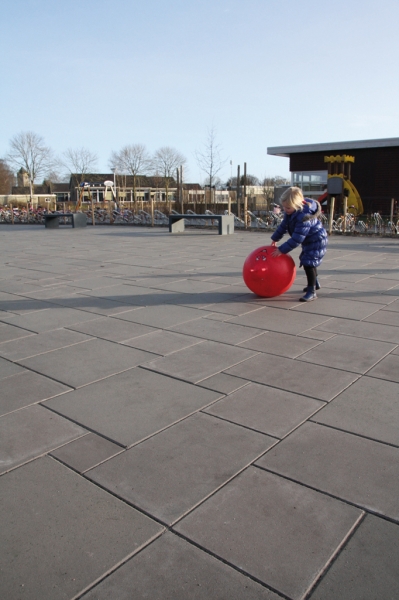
(312, 209)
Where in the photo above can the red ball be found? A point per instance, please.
(268, 275)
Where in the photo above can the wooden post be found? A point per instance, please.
(345, 211)
(229, 204)
(12, 214)
(152, 208)
(331, 215)
(92, 212)
(238, 192)
(246, 211)
(392, 207)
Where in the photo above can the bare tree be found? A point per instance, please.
(28, 152)
(165, 162)
(209, 159)
(132, 160)
(268, 185)
(6, 177)
(79, 162)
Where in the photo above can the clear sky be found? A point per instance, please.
(105, 73)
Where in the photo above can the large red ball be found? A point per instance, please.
(266, 275)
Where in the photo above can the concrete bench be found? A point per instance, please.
(225, 222)
(52, 220)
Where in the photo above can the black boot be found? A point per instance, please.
(309, 296)
(305, 289)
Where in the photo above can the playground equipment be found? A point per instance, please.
(339, 184)
(267, 275)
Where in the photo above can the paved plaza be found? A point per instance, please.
(167, 435)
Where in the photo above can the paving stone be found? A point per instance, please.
(223, 383)
(86, 452)
(28, 433)
(362, 329)
(131, 406)
(190, 286)
(112, 329)
(49, 318)
(172, 568)
(315, 334)
(388, 368)
(200, 361)
(367, 568)
(163, 342)
(392, 307)
(344, 308)
(303, 529)
(86, 362)
(27, 388)
(93, 304)
(227, 333)
(8, 332)
(348, 353)
(281, 344)
(369, 407)
(265, 409)
(132, 295)
(16, 304)
(319, 382)
(40, 343)
(161, 316)
(7, 369)
(283, 321)
(385, 317)
(60, 533)
(347, 466)
(168, 474)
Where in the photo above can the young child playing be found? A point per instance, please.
(302, 224)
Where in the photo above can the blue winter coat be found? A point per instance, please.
(304, 228)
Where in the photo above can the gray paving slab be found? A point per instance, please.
(217, 331)
(48, 319)
(384, 317)
(223, 383)
(190, 286)
(30, 432)
(369, 407)
(362, 329)
(60, 533)
(200, 361)
(27, 388)
(265, 409)
(302, 527)
(162, 342)
(393, 306)
(281, 344)
(172, 568)
(162, 316)
(280, 320)
(388, 368)
(132, 295)
(322, 383)
(355, 469)
(348, 309)
(170, 473)
(9, 332)
(86, 452)
(348, 353)
(86, 362)
(112, 329)
(233, 307)
(315, 334)
(133, 405)
(367, 568)
(40, 343)
(7, 369)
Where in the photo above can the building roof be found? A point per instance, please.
(332, 146)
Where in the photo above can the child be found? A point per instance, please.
(301, 222)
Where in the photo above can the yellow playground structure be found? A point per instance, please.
(339, 182)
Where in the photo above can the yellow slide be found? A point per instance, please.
(355, 204)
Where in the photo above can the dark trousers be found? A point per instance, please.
(311, 274)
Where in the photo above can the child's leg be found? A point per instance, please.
(311, 274)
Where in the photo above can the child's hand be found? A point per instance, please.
(273, 243)
(276, 252)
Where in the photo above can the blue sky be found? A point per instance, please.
(102, 74)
